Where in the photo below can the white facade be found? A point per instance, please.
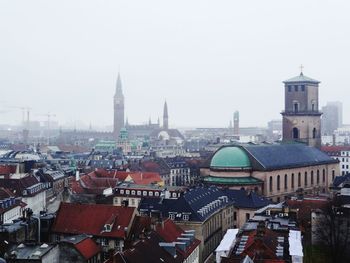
(11, 214)
(36, 202)
(344, 162)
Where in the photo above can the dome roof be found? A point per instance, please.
(230, 157)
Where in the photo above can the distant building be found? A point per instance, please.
(340, 153)
(301, 117)
(236, 123)
(274, 170)
(118, 108)
(332, 117)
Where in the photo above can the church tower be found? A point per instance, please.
(165, 117)
(301, 117)
(118, 108)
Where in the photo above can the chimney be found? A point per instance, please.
(77, 176)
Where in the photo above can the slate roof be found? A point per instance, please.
(338, 180)
(281, 156)
(301, 78)
(245, 199)
(191, 202)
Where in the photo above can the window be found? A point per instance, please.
(127, 192)
(185, 217)
(305, 179)
(314, 133)
(323, 175)
(235, 216)
(333, 175)
(122, 192)
(292, 181)
(296, 88)
(296, 107)
(289, 88)
(285, 181)
(138, 192)
(278, 182)
(302, 87)
(156, 194)
(318, 177)
(144, 193)
(270, 184)
(299, 179)
(295, 133)
(312, 177)
(150, 193)
(247, 216)
(133, 192)
(172, 216)
(174, 194)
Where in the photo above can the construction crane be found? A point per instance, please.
(24, 110)
(48, 115)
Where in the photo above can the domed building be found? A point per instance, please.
(274, 170)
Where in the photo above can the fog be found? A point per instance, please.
(206, 58)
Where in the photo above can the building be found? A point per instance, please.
(236, 123)
(118, 108)
(301, 117)
(340, 153)
(332, 117)
(259, 244)
(108, 225)
(10, 207)
(207, 211)
(273, 170)
(32, 253)
(79, 248)
(165, 117)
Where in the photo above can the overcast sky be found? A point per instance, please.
(206, 58)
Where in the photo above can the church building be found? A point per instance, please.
(301, 117)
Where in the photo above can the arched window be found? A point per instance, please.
(296, 106)
(312, 177)
(305, 179)
(292, 181)
(318, 177)
(295, 133)
(285, 181)
(314, 133)
(333, 175)
(278, 182)
(271, 189)
(323, 175)
(299, 179)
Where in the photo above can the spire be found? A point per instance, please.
(149, 120)
(118, 90)
(165, 117)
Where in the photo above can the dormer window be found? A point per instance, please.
(107, 228)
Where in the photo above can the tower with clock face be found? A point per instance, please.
(301, 117)
(118, 108)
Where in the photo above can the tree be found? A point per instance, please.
(331, 227)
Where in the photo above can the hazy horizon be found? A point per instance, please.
(206, 58)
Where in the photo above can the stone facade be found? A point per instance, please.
(301, 117)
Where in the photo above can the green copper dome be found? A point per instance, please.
(230, 157)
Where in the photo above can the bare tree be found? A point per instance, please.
(332, 229)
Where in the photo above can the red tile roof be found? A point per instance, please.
(87, 248)
(7, 169)
(335, 148)
(91, 218)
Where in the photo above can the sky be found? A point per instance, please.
(205, 58)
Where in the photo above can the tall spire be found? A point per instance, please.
(119, 90)
(118, 108)
(165, 116)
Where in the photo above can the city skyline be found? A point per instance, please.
(231, 61)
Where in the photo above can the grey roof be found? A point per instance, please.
(282, 156)
(301, 78)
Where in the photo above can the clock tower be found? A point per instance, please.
(118, 108)
(301, 117)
